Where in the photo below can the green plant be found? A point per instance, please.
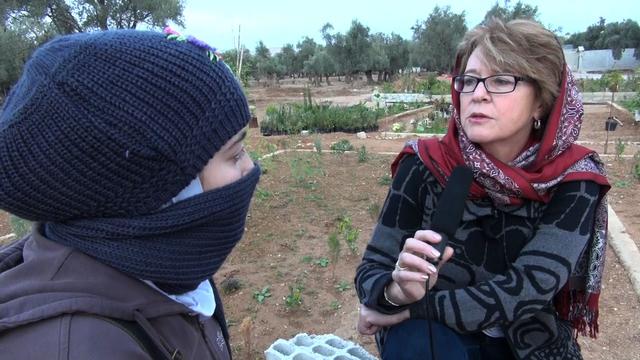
(398, 127)
(262, 295)
(322, 262)
(385, 180)
(343, 286)
(335, 305)
(317, 144)
(621, 184)
(620, 145)
(230, 285)
(334, 249)
(342, 146)
(351, 237)
(374, 210)
(304, 169)
(636, 166)
(307, 259)
(294, 299)
(262, 194)
(363, 155)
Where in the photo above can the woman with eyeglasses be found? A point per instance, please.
(520, 277)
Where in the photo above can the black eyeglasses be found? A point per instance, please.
(495, 84)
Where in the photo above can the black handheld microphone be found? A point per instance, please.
(448, 212)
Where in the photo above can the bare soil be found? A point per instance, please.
(303, 195)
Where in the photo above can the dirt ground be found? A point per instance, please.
(285, 259)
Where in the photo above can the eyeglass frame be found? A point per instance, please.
(479, 80)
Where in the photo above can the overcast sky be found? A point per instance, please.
(278, 22)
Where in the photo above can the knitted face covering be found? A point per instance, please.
(177, 247)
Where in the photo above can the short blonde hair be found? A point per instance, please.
(522, 47)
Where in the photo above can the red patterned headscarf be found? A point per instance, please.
(542, 165)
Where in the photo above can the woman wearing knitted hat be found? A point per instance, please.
(522, 270)
(125, 149)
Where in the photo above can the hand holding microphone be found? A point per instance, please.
(416, 261)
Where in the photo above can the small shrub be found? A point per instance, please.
(374, 210)
(262, 295)
(343, 286)
(317, 144)
(385, 180)
(334, 246)
(398, 127)
(262, 194)
(335, 305)
(322, 262)
(636, 166)
(294, 299)
(363, 155)
(342, 146)
(230, 285)
(620, 145)
(621, 184)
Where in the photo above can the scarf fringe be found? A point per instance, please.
(580, 309)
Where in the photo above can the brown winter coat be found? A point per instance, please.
(58, 303)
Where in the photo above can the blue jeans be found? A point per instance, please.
(409, 340)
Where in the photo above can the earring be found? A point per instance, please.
(537, 124)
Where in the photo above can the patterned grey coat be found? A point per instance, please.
(509, 261)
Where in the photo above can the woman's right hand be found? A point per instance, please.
(414, 267)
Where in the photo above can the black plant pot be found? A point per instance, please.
(610, 125)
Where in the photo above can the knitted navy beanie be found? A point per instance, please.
(113, 124)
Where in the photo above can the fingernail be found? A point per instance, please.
(425, 277)
(435, 253)
(431, 267)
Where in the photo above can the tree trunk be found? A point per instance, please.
(327, 78)
(369, 75)
(380, 76)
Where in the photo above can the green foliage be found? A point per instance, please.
(385, 180)
(506, 14)
(307, 259)
(334, 247)
(398, 127)
(620, 146)
(261, 295)
(343, 286)
(293, 118)
(349, 233)
(434, 123)
(363, 155)
(323, 262)
(317, 144)
(615, 36)
(341, 146)
(262, 194)
(612, 80)
(374, 210)
(304, 169)
(633, 104)
(635, 170)
(230, 285)
(621, 184)
(294, 299)
(387, 88)
(335, 305)
(83, 16)
(20, 227)
(448, 28)
(431, 85)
